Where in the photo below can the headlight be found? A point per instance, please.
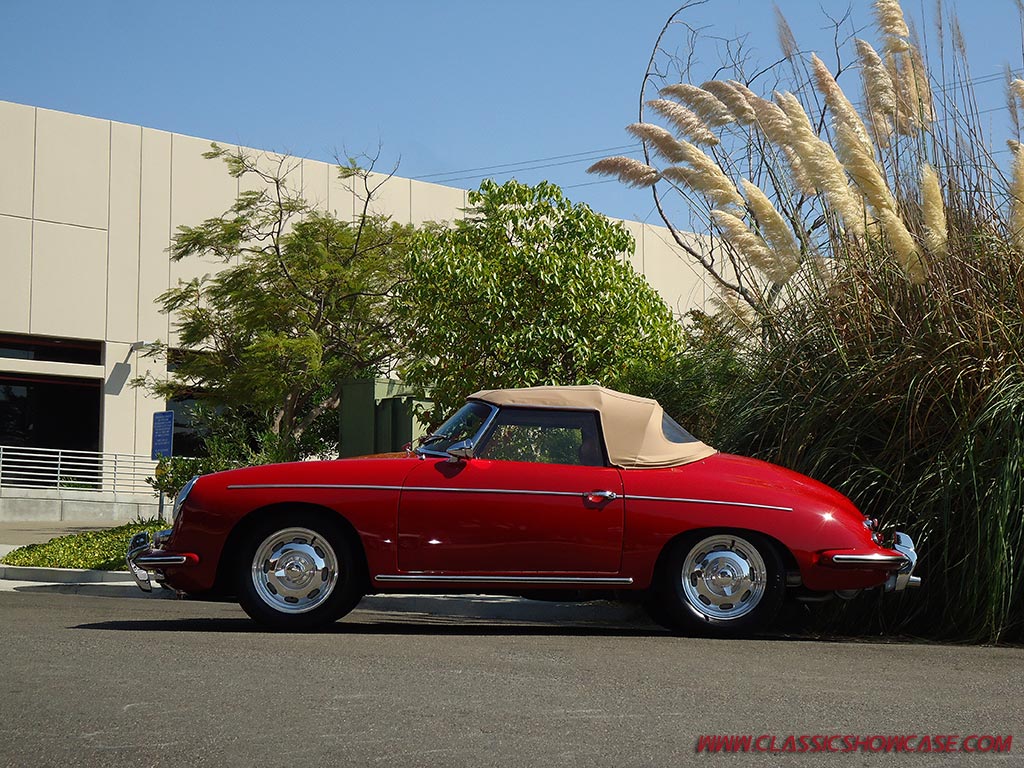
(179, 500)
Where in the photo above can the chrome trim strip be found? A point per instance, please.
(418, 578)
(875, 558)
(502, 491)
(330, 486)
(327, 486)
(159, 560)
(630, 497)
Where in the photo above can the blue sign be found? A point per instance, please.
(163, 434)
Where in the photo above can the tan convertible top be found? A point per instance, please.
(632, 425)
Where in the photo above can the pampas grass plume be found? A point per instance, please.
(774, 229)
(892, 25)
(714, 185)
(843, 111)
(685, 121)
(879, 91)
(1017, 201)
(631, 172)
(934, 212)
(708, 107)
(907, 253)
(732, 98)
(664, 143)
(864, 171)
(750, 246)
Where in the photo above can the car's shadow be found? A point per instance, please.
(444, 626)
(428, 626)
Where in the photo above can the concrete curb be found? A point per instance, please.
(99, 589)
(62, 575)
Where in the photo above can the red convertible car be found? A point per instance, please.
(530, 492)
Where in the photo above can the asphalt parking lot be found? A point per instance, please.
(94, 681)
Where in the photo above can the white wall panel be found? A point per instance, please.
(390, 197)
(16, 268)
(671, 271)
(17, 153)
(72, 169)
(69, 281)
(316, 182)
(200, 189)
(433, 202)
(123, 235)
(154, 229)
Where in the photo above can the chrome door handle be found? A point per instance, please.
(596, 497)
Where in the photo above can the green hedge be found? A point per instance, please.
(101, 550)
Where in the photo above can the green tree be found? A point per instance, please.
(527, 289)
(305, 305)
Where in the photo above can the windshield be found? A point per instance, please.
(462, 426)
(673, 432)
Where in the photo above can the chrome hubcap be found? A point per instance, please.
(294, 570)
(724, 577)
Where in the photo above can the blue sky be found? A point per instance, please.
(452, 88)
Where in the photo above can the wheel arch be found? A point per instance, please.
(260, 514)
(788, 558)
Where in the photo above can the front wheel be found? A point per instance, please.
(721, 584)
(297, 576)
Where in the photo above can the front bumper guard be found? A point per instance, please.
(903, 563)
(145, 557)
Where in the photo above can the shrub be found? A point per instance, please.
(172, 473)
(102, 550)
(871, 263)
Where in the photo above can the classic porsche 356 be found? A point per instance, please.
(528, 492)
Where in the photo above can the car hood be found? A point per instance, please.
(380, 468)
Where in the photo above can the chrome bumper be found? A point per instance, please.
(901, 564)
(904, 577)
(145, 557)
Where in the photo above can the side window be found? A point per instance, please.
(545, 436)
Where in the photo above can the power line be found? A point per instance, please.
(487, 168)
(593, 155)
(974, 81)
(541, 163)
(590, 183)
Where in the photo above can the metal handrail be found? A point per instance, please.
(22, 467)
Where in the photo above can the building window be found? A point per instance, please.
(54, 350)
(50, 412)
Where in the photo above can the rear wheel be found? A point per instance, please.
(721, 584)
(297, 575)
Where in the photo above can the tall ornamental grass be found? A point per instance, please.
(868, 245)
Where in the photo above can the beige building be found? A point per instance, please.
(87, 211)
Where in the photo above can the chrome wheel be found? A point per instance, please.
(294, 570)
(724, 577)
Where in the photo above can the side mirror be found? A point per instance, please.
(460, 451)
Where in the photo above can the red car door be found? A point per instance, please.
(496, 516)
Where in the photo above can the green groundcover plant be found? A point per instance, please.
(101, 550)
